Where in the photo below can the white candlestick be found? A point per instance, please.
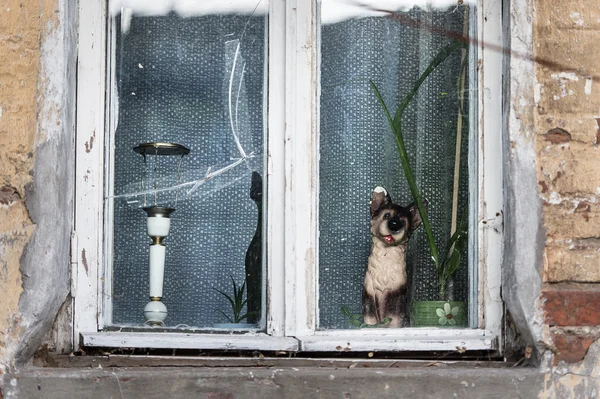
(158, 225)
(157, 270)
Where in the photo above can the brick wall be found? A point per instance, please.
(568, 166)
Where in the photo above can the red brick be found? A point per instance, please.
(571, 348)
(572, 305)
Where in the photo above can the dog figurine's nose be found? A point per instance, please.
(395, 225)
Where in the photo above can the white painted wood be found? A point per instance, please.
(89, 164)
(177, 340)
(275, 166)
(441, 341)
(301, 149)
(491, 207)
(292, 223)
(490, 182)
(409, 332)
(112, 114)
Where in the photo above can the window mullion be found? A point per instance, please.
(300, 152)
(276, 169)
(490, 163)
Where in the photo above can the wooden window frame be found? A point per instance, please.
(292, 174)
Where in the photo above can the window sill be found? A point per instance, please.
(366, 340)
(405, 340)
(168, 340)
(289, 382)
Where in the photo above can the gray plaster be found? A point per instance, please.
(45, 261)
(150, 383)
(523, 223)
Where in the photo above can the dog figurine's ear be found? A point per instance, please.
(415, 215)
(379, 197)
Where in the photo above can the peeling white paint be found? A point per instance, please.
(538, 89)
(576, 18)
(565, 76)
(52, 67)
(554, 198)
(588, 87)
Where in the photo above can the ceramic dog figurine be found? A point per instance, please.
(385, 285)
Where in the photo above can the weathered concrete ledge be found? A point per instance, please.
(308, 382)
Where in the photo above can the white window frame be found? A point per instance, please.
(292, 174)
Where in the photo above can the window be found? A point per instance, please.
(280, 93)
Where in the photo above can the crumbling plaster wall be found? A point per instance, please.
(552, 167)
(552, 250)
(37, 104)
(523, 228)
(566, 121)
(567, 126)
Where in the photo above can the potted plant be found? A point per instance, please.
(443, 312)
(237, 303)
(356, 320)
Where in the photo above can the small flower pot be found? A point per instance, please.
(444, 314)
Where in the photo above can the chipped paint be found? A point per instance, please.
(538, 90)
(576, 18)
(567, 76)
(90, 143)
(588, 87)
(84, 260)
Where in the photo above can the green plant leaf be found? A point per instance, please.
(226, 296)
(237, 302)
(437, 60)
(227, 317)
(235, 292)
(396, 126)
(408, 172)
(454, 250)
(240, 318)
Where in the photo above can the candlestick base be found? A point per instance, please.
(155, 312)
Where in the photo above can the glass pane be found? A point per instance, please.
(358, 152)
(194, 75)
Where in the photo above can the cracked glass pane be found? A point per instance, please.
(190, 73)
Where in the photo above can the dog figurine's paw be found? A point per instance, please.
(385, 285)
